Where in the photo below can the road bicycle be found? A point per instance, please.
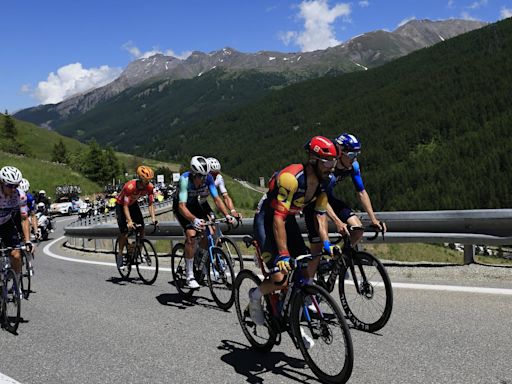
(10, 298)
(230, 247)
(212, 263)
(321, 334)
(141, 253)
(27, 271)
(364, 286)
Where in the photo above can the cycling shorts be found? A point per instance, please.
(263, 226)
(10, 232)
(135, 214)
(199, 210)
(341, 209)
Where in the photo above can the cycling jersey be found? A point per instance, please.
(130, 193)
(23, 203)
(9, 206)
(188, 192)
(287, 189)
(219, 184)
(31, 203)
(340, 174)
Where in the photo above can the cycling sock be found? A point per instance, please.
(255, 293)
(189, 265)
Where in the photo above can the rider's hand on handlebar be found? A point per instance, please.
(342, 228)
(156, 224)
(236, 214)
(380, 225)
(283, 263)
(130, 224)
(230, 219)
(29, 246)
(199, 224)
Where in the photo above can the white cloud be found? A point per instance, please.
(136, 53)
(478, 4)
(364, 3)
(406, 20)
(318, 29)
(505, 12)
(467, 16)
(451, 4)
(70, 80)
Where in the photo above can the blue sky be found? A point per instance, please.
(52, 49)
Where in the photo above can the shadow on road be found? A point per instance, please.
(121, 281)
(252, 364)
(178, 301)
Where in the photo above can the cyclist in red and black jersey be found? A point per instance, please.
(276, 228)
(127, 208)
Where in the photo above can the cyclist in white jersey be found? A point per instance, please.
(28, 217)
(10, 215)
(221, 187)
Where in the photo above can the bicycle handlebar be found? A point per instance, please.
(354, 228)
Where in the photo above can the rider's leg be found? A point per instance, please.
(190, 244)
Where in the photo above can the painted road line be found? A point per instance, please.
(7, 380)
(425, 287)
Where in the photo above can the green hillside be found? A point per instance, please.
(435, 126)
(160, 108)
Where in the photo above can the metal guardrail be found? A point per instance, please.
(469, 227)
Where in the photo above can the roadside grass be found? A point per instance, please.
(46, 175)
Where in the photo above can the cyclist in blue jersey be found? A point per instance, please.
(348, 149)
(192, 209)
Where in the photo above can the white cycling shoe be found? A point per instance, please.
(192, 283)
(308, 341)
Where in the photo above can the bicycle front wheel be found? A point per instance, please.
(125, 273)
(261, 337)
(221, 278)
(366, 294)
(147, 262)
(233, 251)
(25, 277)
(12, 303)
(322, 334)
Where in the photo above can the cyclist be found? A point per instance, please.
(10, 215)
(192, 209)
(127, 207)
(348, 148)
(221, 187)
(290, 190)
(27, 206)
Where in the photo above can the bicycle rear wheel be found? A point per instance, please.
(221, 278)
(369, 310)
(233, 251)
(322, 334)
(179, 271)
(261, 337)
(25, 277)
(125, 273)
(12, 302)
(147, 262)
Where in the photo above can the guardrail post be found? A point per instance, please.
(469, 254)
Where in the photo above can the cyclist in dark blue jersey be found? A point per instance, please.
(191, 207)
(348, 149)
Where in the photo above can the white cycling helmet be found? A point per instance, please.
(214, 164)
(10, 175)
(41, 192)
(198, 164)
(24, 185)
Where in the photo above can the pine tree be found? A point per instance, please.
(60, 153)
(9, 131)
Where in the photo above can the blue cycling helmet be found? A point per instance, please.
(348, 142)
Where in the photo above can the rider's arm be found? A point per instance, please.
(220, 205)
(322, 211)
(126, 210)
(280, 235)
(182, 207)
(364, 198)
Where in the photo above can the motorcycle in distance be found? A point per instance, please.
(44, 222)
(85, 209)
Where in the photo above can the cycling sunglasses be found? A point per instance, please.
(328, 163)
(351, 155)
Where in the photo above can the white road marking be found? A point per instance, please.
(48, 252)
(7, 380)
(426, 287)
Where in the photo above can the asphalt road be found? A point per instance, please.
(82, 324)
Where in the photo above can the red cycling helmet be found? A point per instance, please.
(321, 147)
